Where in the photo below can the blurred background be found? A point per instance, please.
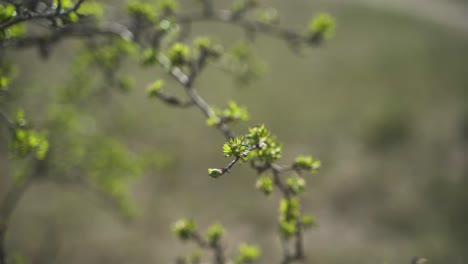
(383, 105)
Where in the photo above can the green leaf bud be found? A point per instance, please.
(289, 209)
(265, 185)
(288, 228)
(307, 163)
(308, 221)
(214, 233)
(178, 54)
(141, 10)
(20, 118)
(153, 89)
(7, 11)
(202, 43)
(148, 57)
(184, 229)
(91, 8)
(247, 253)
(215, 173)
(296, 184)
(322, 24)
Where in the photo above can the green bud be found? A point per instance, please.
(184, 229)
(91, 8)
(289, 209)
(73, 17)
(141, 10)
(308, 221)
(202, 43)
(214, 233)
(265, 185)
(178, 54)
(307, 163)
(148, 57)
(288, 228)
(296, 184)
(20, 118)
(215, 173)
(153, 89)
(322, 24)
(4, 81)
(7, 11)
(213, 120)
(247, 253)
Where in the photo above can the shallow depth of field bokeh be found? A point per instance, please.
(384, 105)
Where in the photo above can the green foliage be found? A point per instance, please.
(296, 184)
(205, 44)
(247, 253)
(306, 163)
(154, 88)
(4, 82)
(235, 147)
(111, 167)
(7, 72)
(81, 150)
(109, 56)
(214, 233)
(14, 31)
(269, 16)
(184, 229)
(26, 141)
(289, 209)
(178, 54)
(148, 57)
(91, 8)
(7, 11)
(265, 185)
(65, 3)
(268, 149)
(308, 221)
(322, 24)
(230, 114)
(142, 10)
(288, 228)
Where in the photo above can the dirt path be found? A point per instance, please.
(451, 14)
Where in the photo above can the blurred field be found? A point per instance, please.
(383, 105)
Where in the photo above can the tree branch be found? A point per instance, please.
(50, 14)
(7, 206)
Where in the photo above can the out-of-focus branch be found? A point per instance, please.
(8, 123)
(7, 206)
(28, 15)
